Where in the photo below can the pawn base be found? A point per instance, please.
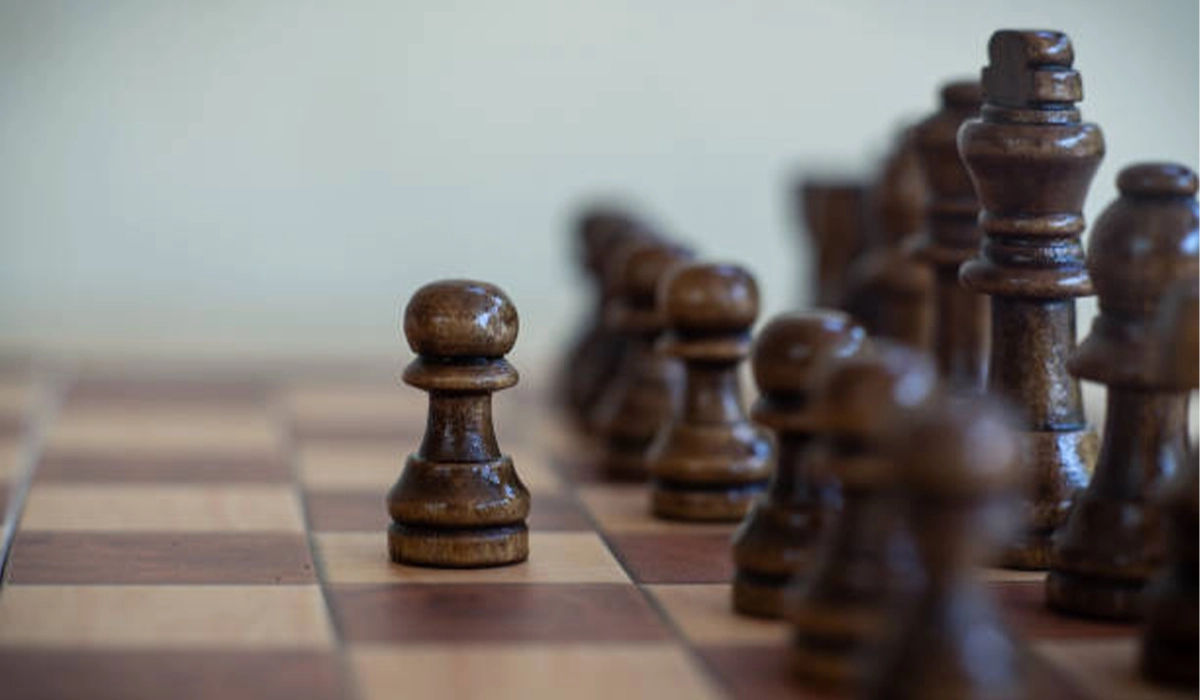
(1099, 597)
(706, 503)
(758, 594)
(458, 548)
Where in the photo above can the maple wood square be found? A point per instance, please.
(705, 616)
(145, 430)
(554, 557)
(163, 617)
(626, 508)
(154, 508)
(649, 671)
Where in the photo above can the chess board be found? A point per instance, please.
(220, 532)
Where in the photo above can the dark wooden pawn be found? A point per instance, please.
(458, 501)
(594, 354)
(1032, 159)
(776, 540)
(835, 217)
(643, 390)
(839, 611)
(961, 317)
(888, 289)
(1111, 542)
(961, 485)
(1171, 640)
(709, 462)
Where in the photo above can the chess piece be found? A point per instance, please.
(961, 317)
(643, 391)
(596, 351)
(459, 501)
(709, 462)
(838, 612)
(1111, 543)
(776, 540)
(960, 482)
(888, 289)
(1171, 640)
(1032, 159)
(835, 218)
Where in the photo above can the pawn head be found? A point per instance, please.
(791, 351)
(709, 297)
(459, 319)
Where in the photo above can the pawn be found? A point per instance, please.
(596, 351)
(643, 389)
(888, 289)
(1111, 543)
(838, 612)
(1171, 641)
(709, 462)
(775, 541)
(459, 502)
(960, 483)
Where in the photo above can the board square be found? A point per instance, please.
(1105, 669)
(1023, 606)
(675, 557)
(145, 558)
(155, 508)
(626, 508)
(194, 468)
(554, 557)
(150, 430)
(45, 674)
(494, 613)
(704, 615)
(164, 617)
(635, 671)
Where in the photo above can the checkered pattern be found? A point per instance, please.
(224, 537)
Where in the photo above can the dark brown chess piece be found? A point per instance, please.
(643, 390)
(839, 611)
(1171, 641)
(776, 540)
(888, 289)
(594, 354)
(1111, 542)
(961, 317)
(1032, 159)
(961, 485)
(834, 214)
(709, 462)
(458, 501)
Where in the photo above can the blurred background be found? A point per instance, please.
(276, 178)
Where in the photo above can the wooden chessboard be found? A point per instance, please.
(197, 533)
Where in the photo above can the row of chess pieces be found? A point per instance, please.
(927, 420)
(928, 417)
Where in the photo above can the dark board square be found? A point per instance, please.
(154, 675)
(81, 467)
(367, 512)
(675, 557)
(160, 558)
(495, 613)
(1023, 608)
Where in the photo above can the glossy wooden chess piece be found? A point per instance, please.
(1111, 543)
(643, 391)
(961, 317)
(1032, 159)
(776, 540)
(594, 354)
(839, 611)
(709, 462)
(888, 289)
(1171, 641)
(458, 501)
(834, 213)
(961, 485)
